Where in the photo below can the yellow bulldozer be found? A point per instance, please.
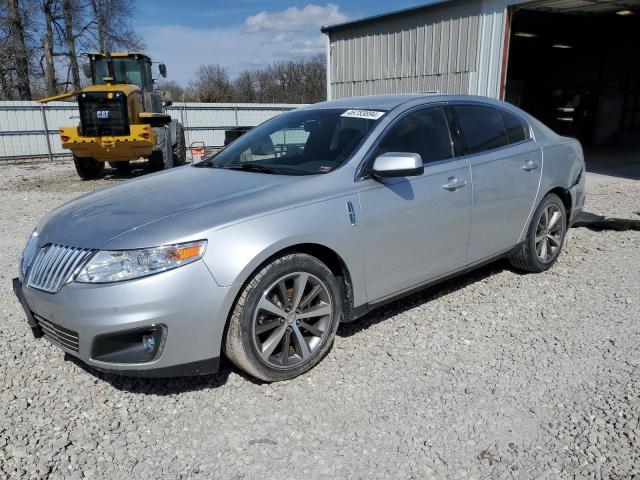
(122, 117)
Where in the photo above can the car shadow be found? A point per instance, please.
(598, 223)
(176, 385)
(165, 385)
(136, 169)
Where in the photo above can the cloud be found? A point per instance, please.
(258, 41)
(309, 46)
(184, 48)
(295, 19)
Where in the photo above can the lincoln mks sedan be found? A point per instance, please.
(310, 219)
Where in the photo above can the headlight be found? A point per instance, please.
(115, 266)
(28, 253)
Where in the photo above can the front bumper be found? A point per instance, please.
(186, 303)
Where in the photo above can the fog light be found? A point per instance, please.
(148, 343)
(138, 345)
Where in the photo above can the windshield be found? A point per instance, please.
(302, 142)
(126, 70)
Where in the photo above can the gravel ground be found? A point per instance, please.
(491, 375)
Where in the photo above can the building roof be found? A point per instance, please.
(383, 16)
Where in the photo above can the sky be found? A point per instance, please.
(241, 34)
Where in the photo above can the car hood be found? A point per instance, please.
(95, 218)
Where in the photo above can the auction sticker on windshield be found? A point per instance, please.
(368, 114)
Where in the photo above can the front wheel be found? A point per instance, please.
(161, 157)
(545, 237)
(285, 319)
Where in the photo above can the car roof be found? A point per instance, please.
(406, 101)
(373, 102)
(391, 101)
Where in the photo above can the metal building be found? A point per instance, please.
(448, 46)
(569, 62)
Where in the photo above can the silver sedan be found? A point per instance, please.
(312, 218)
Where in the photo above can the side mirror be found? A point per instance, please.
(86, 70)
(163, 70)
(397, 164)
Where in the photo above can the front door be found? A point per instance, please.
(416, 228)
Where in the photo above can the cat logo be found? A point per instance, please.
(102, 114)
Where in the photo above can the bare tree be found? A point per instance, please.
(40, 38)
(113, 29)
(174, 91)
(212, 84)
(245, 87)
(99, 15)
(70, 39)
(21, 58)
(292, 81)
(47, 48)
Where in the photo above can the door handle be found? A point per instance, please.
(453, 184)
(530, 165)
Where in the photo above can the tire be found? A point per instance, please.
(162, 157)
(88, 168)
(156, 161)
(543, 243)
(180, 147)
(251, 326)
(122, 166)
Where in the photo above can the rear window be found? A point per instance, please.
(517, 130)
(482, 128)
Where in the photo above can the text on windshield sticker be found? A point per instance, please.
(368, 114)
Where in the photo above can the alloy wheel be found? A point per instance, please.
(292, 319)
(549, 233)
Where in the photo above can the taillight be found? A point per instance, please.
(65, 139)
(145, 136)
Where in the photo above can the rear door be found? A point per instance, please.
(505, 166)
(416, 228)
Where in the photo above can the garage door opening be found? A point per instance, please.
(577, 70)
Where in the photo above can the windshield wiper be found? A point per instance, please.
(253, 167)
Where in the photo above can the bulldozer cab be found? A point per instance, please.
(122, 68)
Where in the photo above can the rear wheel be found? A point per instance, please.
(285, 319)
(88, 168)
(545, 237)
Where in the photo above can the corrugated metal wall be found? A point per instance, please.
(452, 47)
(23, 132)
(485, 80)
(429, 50)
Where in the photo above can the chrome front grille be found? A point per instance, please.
(53, 265)
(65, 337)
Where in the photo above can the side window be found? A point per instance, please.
(517, 130)
(424, 132)
(482, 128)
